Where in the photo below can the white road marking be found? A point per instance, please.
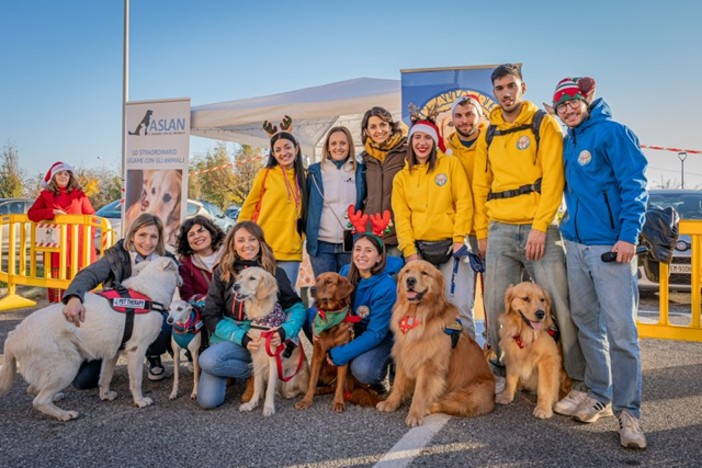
(412, 443)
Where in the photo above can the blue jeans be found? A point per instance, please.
(603, 301)
(463, 292)
(291, 269)
(218, 363)
(330, 257)
(504, 262)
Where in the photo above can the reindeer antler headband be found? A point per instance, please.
(285, 127)
(426, 123)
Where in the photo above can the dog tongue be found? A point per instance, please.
(536, 325)
(411, 294)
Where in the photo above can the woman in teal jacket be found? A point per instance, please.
(229, 354)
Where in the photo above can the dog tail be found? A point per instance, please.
(476, 400)
(7, 371)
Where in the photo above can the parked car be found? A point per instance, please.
(688, 204)
(113, 212)
(14, 206)
(233, 212)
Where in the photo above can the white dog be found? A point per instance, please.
(259, 291)
(187, 330)
(49, 349)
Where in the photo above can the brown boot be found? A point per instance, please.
(248, 392)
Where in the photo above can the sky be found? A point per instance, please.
(61, 61)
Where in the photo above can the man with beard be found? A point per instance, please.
(517, 189)
(468, 122)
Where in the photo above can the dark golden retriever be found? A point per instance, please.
(332, 294)
(531, 355)
(437, 363)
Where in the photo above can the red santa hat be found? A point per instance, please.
(56, 167)
(430, 128)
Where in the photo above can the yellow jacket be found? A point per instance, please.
(281, 205)
(512, 162)
(466, 156)
(431, 206)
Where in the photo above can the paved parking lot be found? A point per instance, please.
(178, 433)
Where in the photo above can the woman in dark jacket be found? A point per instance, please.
(143, 242)
(383, 157)
(229, 354)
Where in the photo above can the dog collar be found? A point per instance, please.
(326, 319)
(193, 325)
(518, 339)
(407, 323)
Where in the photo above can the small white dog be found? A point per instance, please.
(48, 349)
(187, 331)
(259, 291)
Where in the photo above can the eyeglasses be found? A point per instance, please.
(573, 104)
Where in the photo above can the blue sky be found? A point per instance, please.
(61, 78)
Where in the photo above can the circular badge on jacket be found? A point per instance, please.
(523, 142)
(362, 311)
(441, 179)
(584, 158)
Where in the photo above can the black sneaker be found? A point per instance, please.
(156, 370)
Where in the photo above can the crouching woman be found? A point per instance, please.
(229, 354)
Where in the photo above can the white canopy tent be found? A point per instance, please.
(313, 110)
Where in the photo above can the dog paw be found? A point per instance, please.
(338, 407)
(173, 396)
(414, 420)
(268, 411)
(303, 404)
(504, 398)
(144, 402)
(109, 395)
(67, 416)
(248, 406)
(543, 413)
(386, 406)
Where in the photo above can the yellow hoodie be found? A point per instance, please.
(512, 162)
(466, 156)
(281, 205)
(431, 206)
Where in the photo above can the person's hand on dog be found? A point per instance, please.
(412, 258)
(276, 340)
(535, 245)
(625, 251)
(252, 345)
(74, 311)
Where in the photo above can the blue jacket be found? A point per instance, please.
(378, 293)
(605, 189)
(315, 201)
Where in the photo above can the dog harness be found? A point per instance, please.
(184, 332)
(326, 319)
(454, 331)
(129, 302)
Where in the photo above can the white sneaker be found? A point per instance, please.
(630, 433)
(569, 404)
(590, 410)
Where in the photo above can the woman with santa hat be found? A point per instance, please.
(62, 194)
(433, 209)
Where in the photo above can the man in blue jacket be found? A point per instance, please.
(606, 202)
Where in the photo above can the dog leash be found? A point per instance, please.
(268, 335)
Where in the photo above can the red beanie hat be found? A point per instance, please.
(56, 167)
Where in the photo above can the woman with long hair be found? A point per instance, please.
(278, 199)
(333, 184)
(229, 354)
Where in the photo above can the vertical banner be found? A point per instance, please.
(428, 87)
(156, 163)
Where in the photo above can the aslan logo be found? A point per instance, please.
(158, 126)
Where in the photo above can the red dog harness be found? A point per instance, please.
(129, 302)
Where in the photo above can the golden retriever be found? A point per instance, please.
(259, 291)
(437, 362)
(332, 293)
(531, 355)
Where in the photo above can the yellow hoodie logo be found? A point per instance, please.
(523, 143)
(441, 179)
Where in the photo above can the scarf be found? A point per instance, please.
(326, 319)
(379, 152)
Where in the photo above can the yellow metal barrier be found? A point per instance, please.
(664, 329)
(25, 257)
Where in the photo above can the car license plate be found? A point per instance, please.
(681, 268)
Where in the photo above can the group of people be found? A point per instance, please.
(495, 191)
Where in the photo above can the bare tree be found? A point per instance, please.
(10, 172)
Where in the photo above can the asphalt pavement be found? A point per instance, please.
(179, 433)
